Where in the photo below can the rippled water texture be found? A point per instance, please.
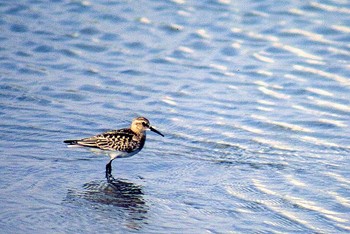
(252, 96)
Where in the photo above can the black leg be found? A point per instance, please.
(109, 172)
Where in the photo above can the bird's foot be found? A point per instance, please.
(109, 177)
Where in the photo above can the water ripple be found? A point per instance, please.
(338, 78)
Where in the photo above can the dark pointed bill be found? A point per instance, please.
(156, 131)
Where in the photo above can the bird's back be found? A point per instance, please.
(124, 140)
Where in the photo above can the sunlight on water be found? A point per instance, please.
(297, 51)
(331, 105)
(273, 93)
(340, 79)
(309, 35)
(330, 8)
(320, 92)
(337, 123)
(295, 181)
(341, 28)
(274, 144)
(318, 141)
(263, 58)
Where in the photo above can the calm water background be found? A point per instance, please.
(253, 97)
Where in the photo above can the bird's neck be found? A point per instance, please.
(139, 134)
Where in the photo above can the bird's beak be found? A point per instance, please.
(155, 130)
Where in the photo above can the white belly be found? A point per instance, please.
(118, 154)
(114, 154)
(111, 153)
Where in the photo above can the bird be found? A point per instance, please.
(122, 143)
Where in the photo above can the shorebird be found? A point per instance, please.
(120, 143)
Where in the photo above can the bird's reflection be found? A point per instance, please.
(126, 196)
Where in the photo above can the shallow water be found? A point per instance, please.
(253, 98)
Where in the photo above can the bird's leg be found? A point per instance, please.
(109, 171)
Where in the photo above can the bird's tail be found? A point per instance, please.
(71, 142)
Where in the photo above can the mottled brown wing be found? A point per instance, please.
(121, 140)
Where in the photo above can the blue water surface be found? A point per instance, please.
(252, 96)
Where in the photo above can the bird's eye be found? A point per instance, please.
(144, 124)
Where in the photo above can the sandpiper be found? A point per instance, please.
(120, 143)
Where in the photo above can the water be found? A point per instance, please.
(253, 97)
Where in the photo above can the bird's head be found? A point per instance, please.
(141, 124)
